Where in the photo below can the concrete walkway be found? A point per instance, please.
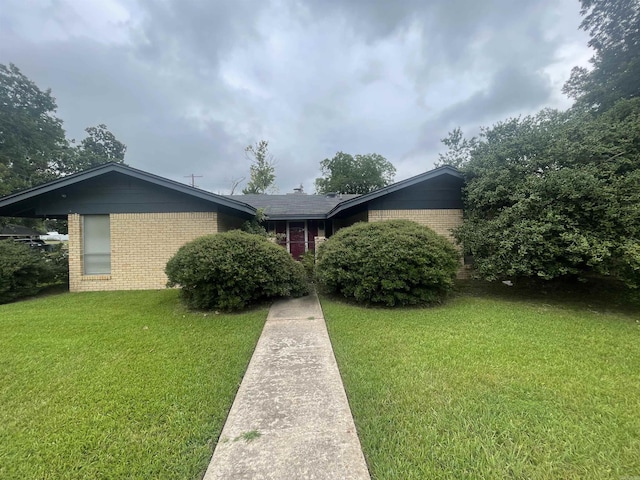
(290, 418)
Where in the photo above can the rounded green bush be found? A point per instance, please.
(22, 270)
(396, 262)
(231, 270)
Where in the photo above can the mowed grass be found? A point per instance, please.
(116, 385)
(492, 388)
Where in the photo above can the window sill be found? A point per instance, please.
(90, 278)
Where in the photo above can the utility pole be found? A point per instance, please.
(193, 179)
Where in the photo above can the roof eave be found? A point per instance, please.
(301, 217)
(436, 172)
(131, 172)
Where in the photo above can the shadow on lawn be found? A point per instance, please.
(600, 294)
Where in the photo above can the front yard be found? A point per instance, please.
(492, 388)
(117, 385)
(130, 385)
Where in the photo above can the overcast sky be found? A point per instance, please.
(186, 85)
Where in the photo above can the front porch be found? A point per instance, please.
(298, 236)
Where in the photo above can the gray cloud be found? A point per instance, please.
(187, 85)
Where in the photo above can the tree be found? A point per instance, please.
(33, 146)
(555, 195)
(615, 37)
(262, 169)
(357, 174)
(459, 151)
(100, 146)
(32, 141)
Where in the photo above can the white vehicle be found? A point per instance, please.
(60, 237)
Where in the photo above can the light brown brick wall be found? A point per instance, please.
(141, 245)
(440, 221)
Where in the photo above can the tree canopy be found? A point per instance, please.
(357, 174)
(556, 194)
(31, 136)
(33, 145)
(262, 169)
(615, 36)
(100, 146)
(460, 149)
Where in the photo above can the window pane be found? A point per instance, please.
(97, 245)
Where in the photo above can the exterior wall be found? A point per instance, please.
(440, 221)
(229, 222)
(141, 245)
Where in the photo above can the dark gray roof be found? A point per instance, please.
(293, 206)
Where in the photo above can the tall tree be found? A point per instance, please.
(262, 169)
(33, 146)
(460, 149)
(614, 27)
(32, 141)
(100, 146)
(357, 174)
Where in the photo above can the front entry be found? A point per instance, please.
(297, 238)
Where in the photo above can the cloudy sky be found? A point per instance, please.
(187, 84)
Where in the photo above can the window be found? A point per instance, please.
(96, 242)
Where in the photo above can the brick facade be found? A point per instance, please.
(440, 221)
(141, 245)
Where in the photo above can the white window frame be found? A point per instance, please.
(96, 245)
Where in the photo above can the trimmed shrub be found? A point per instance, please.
(396, 262)
(22, 270)
(57, 264)
(231, 270)
(308, 262)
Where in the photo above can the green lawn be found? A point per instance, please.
(116, 385)
(485, 387)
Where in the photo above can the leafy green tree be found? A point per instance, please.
(555, 195)
(262, 169)
(32, 141)
(100, 146)
(33, 146)
(615, 37)
(460, 149)
(357, 174)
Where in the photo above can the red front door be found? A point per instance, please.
(297, 239)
